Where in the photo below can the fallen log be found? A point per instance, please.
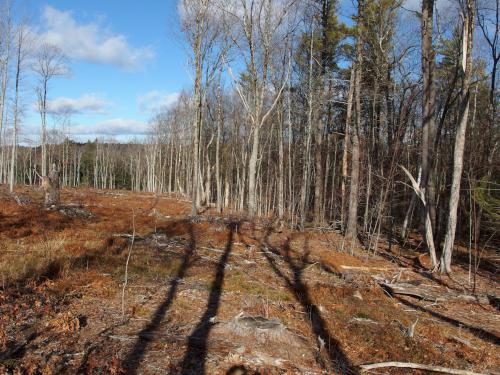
(364, 268)
(418, 366)
(428, 294)
(406, 289)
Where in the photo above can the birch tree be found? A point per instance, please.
(258, 28)
(468, 16)
(201, 25)
(21, 54)
(5, 55)
(49, 64)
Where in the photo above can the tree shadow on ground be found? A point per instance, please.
(146, 336)
(411, 262)
(478, 332)
(336, 359)
(485, 268)
(196, 352)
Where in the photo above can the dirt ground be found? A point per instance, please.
(222, 295)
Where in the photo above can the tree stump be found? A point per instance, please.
(50, 185)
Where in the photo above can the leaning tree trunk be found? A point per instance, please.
(458, 155)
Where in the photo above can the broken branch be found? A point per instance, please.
(418, 366)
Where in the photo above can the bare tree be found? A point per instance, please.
(202, 28)
(488, 20)
(345, 153)
(304, 191)
(468, 16)
(351, 233)
(6, 35)
(21, 54)
(428, 117)
(257, 29)
(50, 63)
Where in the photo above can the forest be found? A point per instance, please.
(372, 123)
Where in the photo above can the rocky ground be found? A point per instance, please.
(222, 295)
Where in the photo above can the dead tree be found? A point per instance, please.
(50, 185)
(49, 63)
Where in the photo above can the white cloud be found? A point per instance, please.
(113, 127)
(118, 129)
(91, 42)
(84, 104)
(156, 101)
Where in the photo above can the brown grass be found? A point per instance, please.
(58, 272)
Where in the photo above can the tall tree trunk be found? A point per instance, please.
(197, 123)
(5, 79)
(458, 154)
(3, 94)
(368, 194)
(345, 153)
(307, 150)
(352, 219)
(43, 114)
(318, 183)
(281, 170)
(218, 176)
(16, 112)
(291, 195)
(252, 172)
(428, 113)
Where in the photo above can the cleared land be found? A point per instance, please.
(221, 295)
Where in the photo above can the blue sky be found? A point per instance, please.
(126, 58)
(127, 61)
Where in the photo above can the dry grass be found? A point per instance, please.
(74, 268)
(33, 263)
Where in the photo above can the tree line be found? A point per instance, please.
(302, 114)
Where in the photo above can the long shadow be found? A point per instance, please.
(146, 336)
(478, 332)
(422, 271)
(486, 267)
(196, 352)
(337, 358)
(429, 276)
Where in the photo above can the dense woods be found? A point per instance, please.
(379, 124)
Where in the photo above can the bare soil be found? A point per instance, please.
(221, 295)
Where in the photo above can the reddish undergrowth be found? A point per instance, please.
(60, 295)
